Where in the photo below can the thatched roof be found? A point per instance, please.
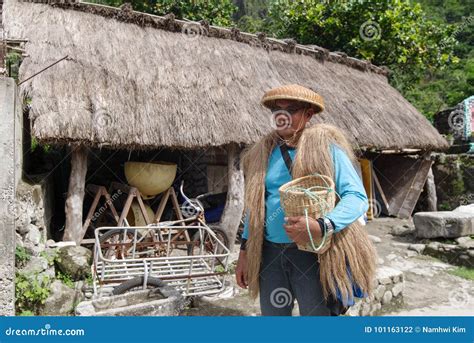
(140, 81)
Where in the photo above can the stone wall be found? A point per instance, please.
(453, 179)
(10, 172)
(387, 295)
(460, 254)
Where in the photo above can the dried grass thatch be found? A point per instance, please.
(140, 81)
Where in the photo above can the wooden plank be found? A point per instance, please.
(378, 188)
(366, 169)
(415, 189)
(161, 206)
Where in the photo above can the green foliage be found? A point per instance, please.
(26, 314)
(216, 12)
(464, 272)
(12, 61)
(65, 279)
(89, 280)
(31, 291)
(36, 146)
(51, 255)
(396, 34)
(22, 256)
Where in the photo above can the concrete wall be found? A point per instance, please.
(10, 173)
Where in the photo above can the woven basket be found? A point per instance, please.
(295, 201)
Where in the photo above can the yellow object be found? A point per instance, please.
(150, 178)
(135, 216)
(293, 92)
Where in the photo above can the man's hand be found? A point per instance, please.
(296, 229)
(241, 271)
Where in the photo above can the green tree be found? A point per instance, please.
(392, 33)
(216, 12)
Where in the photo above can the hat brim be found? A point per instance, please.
(269, 100)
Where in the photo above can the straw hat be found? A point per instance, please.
(293, 92)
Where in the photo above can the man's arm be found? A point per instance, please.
(353, 201)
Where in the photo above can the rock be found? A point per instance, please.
(433, 246)
(23, 228)
(33, 235)
(379, 292)
(391, 257)
(60, 301)
(469, 209)
(465, 242)
(375, 307)
(400, 245)
(380, 261)
(448, 224)
(411, 253)
(34, 250)
(365, 309)
(387, 297)
(63, 244)
(74, 261)
(397, 289)
(36, 265)
(385, 274)
(18, 240)
(50, 243)
(417, 247)
(375, 239)
(402, 230)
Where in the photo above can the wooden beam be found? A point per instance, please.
(430, 187)
(75, 194)
(234, 205)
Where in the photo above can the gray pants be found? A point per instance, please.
(286, 274)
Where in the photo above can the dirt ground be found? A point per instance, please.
(430, 290)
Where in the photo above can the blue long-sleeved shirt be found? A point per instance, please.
(353, 199)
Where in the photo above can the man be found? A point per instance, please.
(269, 261)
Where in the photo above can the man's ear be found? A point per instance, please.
(309, 112)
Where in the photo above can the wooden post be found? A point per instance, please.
(234, 205)
(75, 194)
(430, 187)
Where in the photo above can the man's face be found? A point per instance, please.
(299, 116)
